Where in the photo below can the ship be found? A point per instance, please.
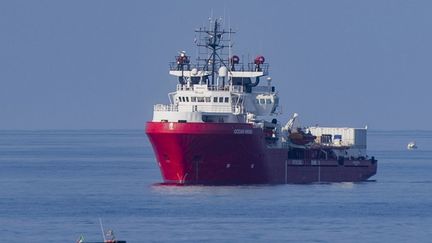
(221, 126)
(108, 237)
(412, 145)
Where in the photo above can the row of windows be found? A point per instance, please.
(217, 100)
(203, 99)
(263, 101)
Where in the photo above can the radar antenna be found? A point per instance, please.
(214, 42)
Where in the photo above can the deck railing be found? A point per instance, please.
(243, 67)
(231, 88)
(235, 109)
(162, 107)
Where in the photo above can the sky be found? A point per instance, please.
(103, 64)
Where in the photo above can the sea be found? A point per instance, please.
(56, 185)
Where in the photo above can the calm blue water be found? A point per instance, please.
(54, 185)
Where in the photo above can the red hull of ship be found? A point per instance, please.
(227, 153)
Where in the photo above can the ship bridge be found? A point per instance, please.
(218, 87)
(204, 103)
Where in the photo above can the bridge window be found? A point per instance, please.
(262, 101)
(187, 99)
(200, 99)
(215, 99)
(220, 99)
(207, 99)
(226, 99)
(193, 99)
(268, 101)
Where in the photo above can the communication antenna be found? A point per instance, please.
(229, 43)
(213, 41)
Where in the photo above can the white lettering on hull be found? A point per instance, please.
(243, 131)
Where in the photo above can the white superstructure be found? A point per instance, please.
(221, 89)
(352, 138)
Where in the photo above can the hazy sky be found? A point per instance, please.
(103, 64)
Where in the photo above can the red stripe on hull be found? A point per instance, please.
(226, 153)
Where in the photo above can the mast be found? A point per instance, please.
(213, 46)
(213, 40)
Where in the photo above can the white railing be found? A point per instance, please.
(235, 109)
(210, 108)
(182, 87)
(232, 88)
(161, 107)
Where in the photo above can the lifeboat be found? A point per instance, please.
(301, 138)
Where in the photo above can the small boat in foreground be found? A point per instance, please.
(412, 146)
(108, 236)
